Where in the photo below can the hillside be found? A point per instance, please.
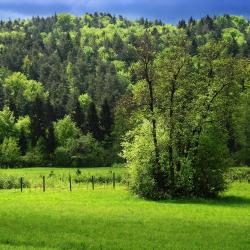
(66, 84)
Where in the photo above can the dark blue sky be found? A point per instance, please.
(168, 10)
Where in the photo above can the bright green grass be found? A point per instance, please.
(114, 219)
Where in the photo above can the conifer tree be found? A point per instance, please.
(50, 141)
(106, 118)
(49, 116)
(37, 121)
(93, 122)
(22, 142)
(78, 117)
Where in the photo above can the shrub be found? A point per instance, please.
(184, 185)
(83, 151)
(62, 156)
(139, 153)
(65, 129)
(201, 174)
(11, 182)
(10, 152)
(210, 164)
(34, 157)
(99, 178)
(238, 174)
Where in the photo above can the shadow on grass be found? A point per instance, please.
(220, 201)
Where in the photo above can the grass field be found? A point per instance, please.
(114, 219)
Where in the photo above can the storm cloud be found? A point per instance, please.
(167, 10)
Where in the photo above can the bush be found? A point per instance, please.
(65, 129)
(11, 182)
(89, 152)
(34, 157)
(210, 164)
(184, 185)
(139, 153)
(62, 156)
(238, 174)
(200, 175)
(10, 152)
(99, 178)
(83, 151)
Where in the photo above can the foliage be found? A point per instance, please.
(66, 129)
(72, 88)
(10, 152)
(238, 174)
(12, 182)
(210, 164)
(139, 153)
(185, 93)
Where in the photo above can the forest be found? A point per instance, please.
(172, 101)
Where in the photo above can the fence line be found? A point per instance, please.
(62, 185)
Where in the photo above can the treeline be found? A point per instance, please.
(69, 85)
(38, 139)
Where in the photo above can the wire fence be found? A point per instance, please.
(63, 183)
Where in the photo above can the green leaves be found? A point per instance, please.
(7, 124)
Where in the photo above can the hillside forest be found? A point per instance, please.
(172, 101)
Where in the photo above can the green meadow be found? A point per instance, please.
(107, 218)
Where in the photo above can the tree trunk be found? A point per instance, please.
(157, 169)
(153, 122)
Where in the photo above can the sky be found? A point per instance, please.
(170, 11)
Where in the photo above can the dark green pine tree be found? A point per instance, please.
(93, 122)
(22, 142)
(49, 114)
(234, 47)
(194, 47)
(182, 24)
(37, 122)
(191, 21)
(106, 119)
(50, 141)
(78, 117)
(65, 46)
(2, 96)
(13, 107)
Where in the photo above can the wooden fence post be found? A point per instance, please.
(43, 183)
(70, 183)
(21, 183)
(113, 180)
(93, 182)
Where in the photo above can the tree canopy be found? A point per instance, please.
(174, 99)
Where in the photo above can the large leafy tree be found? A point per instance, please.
(106, 119)
(192, 94)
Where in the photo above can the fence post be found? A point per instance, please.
(93, 182)
(70, 183)
(43, 183)
(114, 180)
(21, 183)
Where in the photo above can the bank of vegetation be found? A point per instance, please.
(171, 101)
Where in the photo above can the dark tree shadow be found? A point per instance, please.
(220, 201)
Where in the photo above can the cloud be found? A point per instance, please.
(167, 10)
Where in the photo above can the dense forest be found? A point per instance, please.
(173, 101)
